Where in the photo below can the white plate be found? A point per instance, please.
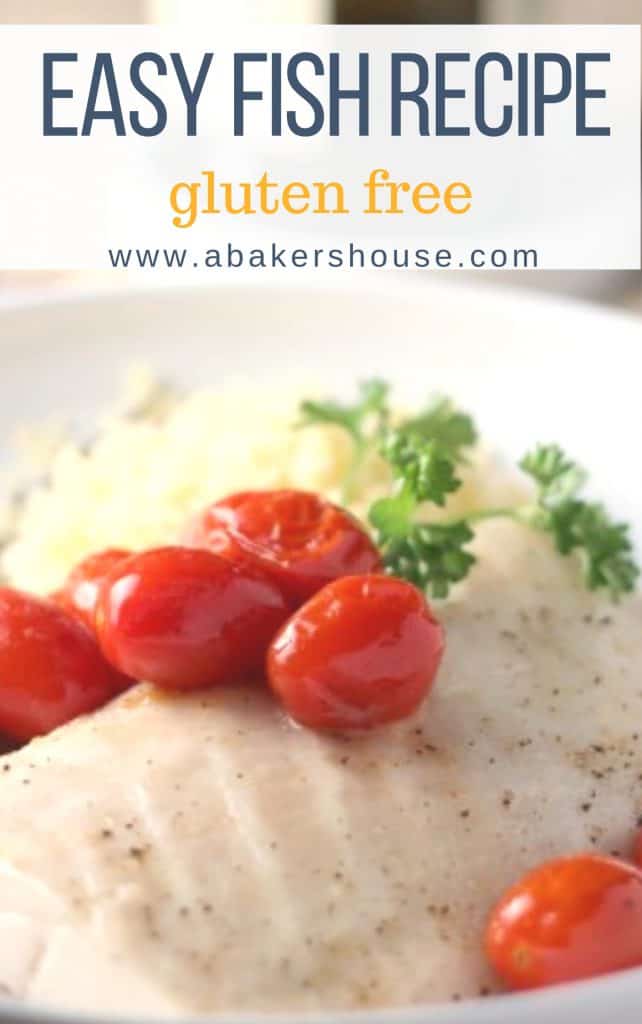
(531, 369)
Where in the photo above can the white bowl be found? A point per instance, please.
(532, 369)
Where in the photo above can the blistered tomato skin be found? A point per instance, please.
(362, 652)
(79, 595)
(572, 918)
(298, 538)
(51, 668)
(183, 618)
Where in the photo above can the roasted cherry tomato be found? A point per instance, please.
(363, 651)
(569, 919)
(298, 538)
(51, 668)
(185, 618)
(80, 591)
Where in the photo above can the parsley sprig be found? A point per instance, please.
(425, 454)
(604, 546)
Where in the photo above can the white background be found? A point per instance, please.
(63, 201)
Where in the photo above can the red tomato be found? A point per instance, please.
(363, 651)
(300, 539)
(184, 618)
(51, 668)
(569, 919)
(80, 592)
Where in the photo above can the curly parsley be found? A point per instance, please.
(424, 453)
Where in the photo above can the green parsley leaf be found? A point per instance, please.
(445, 425)
(558, 478)
(604, 546)
(432, 556)
(372, 401)
(391, 516)
(423, 453)
(424, 467)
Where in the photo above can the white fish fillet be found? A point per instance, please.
(204, 854)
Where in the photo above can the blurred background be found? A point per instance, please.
(620, 289)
